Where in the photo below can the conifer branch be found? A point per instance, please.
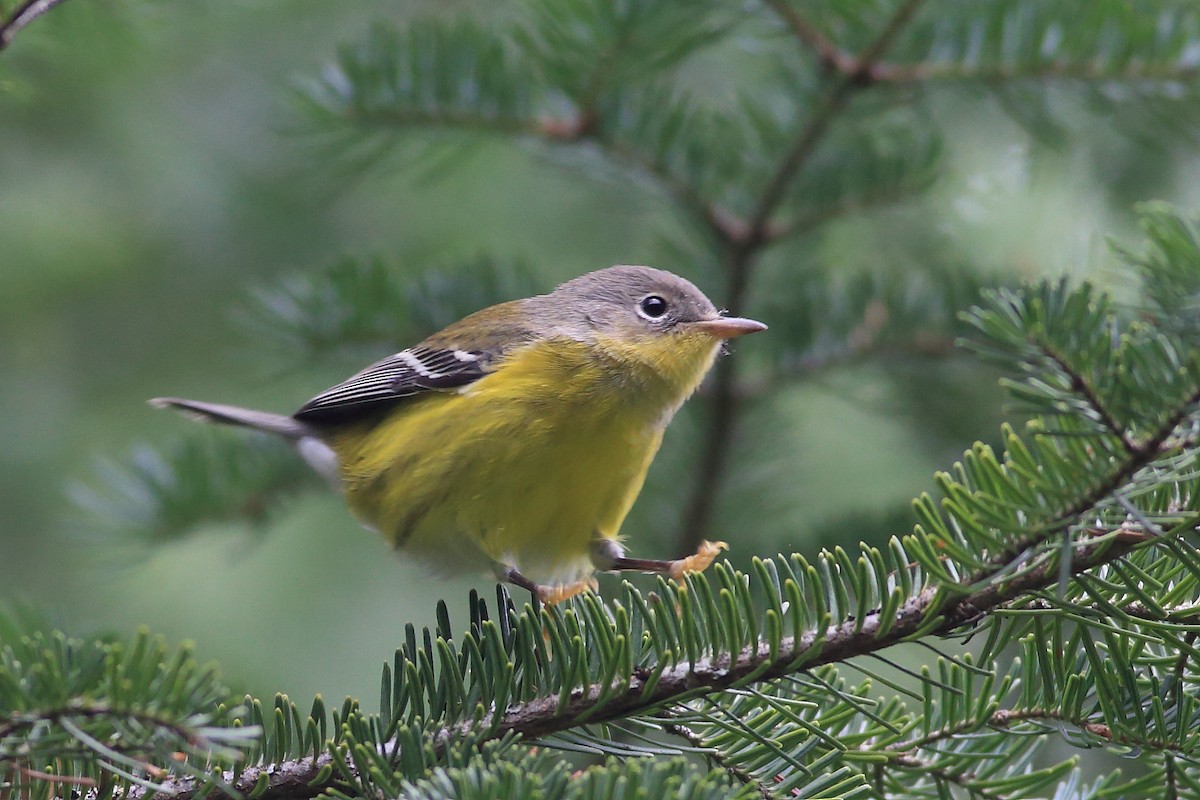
(1141, 455)
(818, 124)
(546, 716)
(1080, 384)
(1054, 70)
(717, 223)
(543, 717)
(832, 56)
(741, 254)
(1006, 718)
(696, 740)
(943, 776)
(842, 62)
(1181, 662)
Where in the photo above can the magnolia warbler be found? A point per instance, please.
(518, 437)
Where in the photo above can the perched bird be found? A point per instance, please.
(517, 438)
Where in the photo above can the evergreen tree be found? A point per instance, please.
(1054, 582)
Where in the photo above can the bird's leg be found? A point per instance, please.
(547, 594)
(609, 556)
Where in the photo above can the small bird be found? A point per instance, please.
(517, 438)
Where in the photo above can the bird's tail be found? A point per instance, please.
(288, 427)
(303, 437)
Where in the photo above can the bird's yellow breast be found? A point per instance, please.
(523, 467)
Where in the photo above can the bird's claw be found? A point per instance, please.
(699, 561)
(551, 595)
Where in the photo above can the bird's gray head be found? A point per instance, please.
(631, 302)
(659, 327)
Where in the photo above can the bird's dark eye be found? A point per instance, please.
(653, 306)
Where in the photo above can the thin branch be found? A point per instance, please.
(1080, 384)
(1179, 615)
(368, 118)
(960, 779)
(719, 223)
(805, 144)
(1006, 718)
(21, 16)
(839, 60)
(743, 247)
(16, 723)
(1181, 663)
(38, 775)
(1053, 70)
(1142, 454)
(832, 56)
(715, 756)
(581, 127)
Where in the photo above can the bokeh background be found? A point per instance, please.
(155, 170)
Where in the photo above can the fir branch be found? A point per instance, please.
(1004, 719)
(15, 724)
(1080, 384)
(720, 224)
(839, 643)
(1141, 455)
(818, 124)
(545, 716)
(21, 16)
(830, 54)
(1181, 663)
(842, 62)
(696, 740)
(1053, 70)
(741, 254)
(291, 779)
(963, 780)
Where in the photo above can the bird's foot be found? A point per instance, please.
(551, 595)
(699, 561)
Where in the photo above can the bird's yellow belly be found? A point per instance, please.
(523, 472)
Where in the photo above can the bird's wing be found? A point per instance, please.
(441, 362)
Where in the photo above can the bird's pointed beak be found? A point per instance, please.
(729, 327)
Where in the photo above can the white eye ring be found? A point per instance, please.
(652, 307)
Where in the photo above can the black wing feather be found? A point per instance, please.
(410, 372)
(460, 354)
